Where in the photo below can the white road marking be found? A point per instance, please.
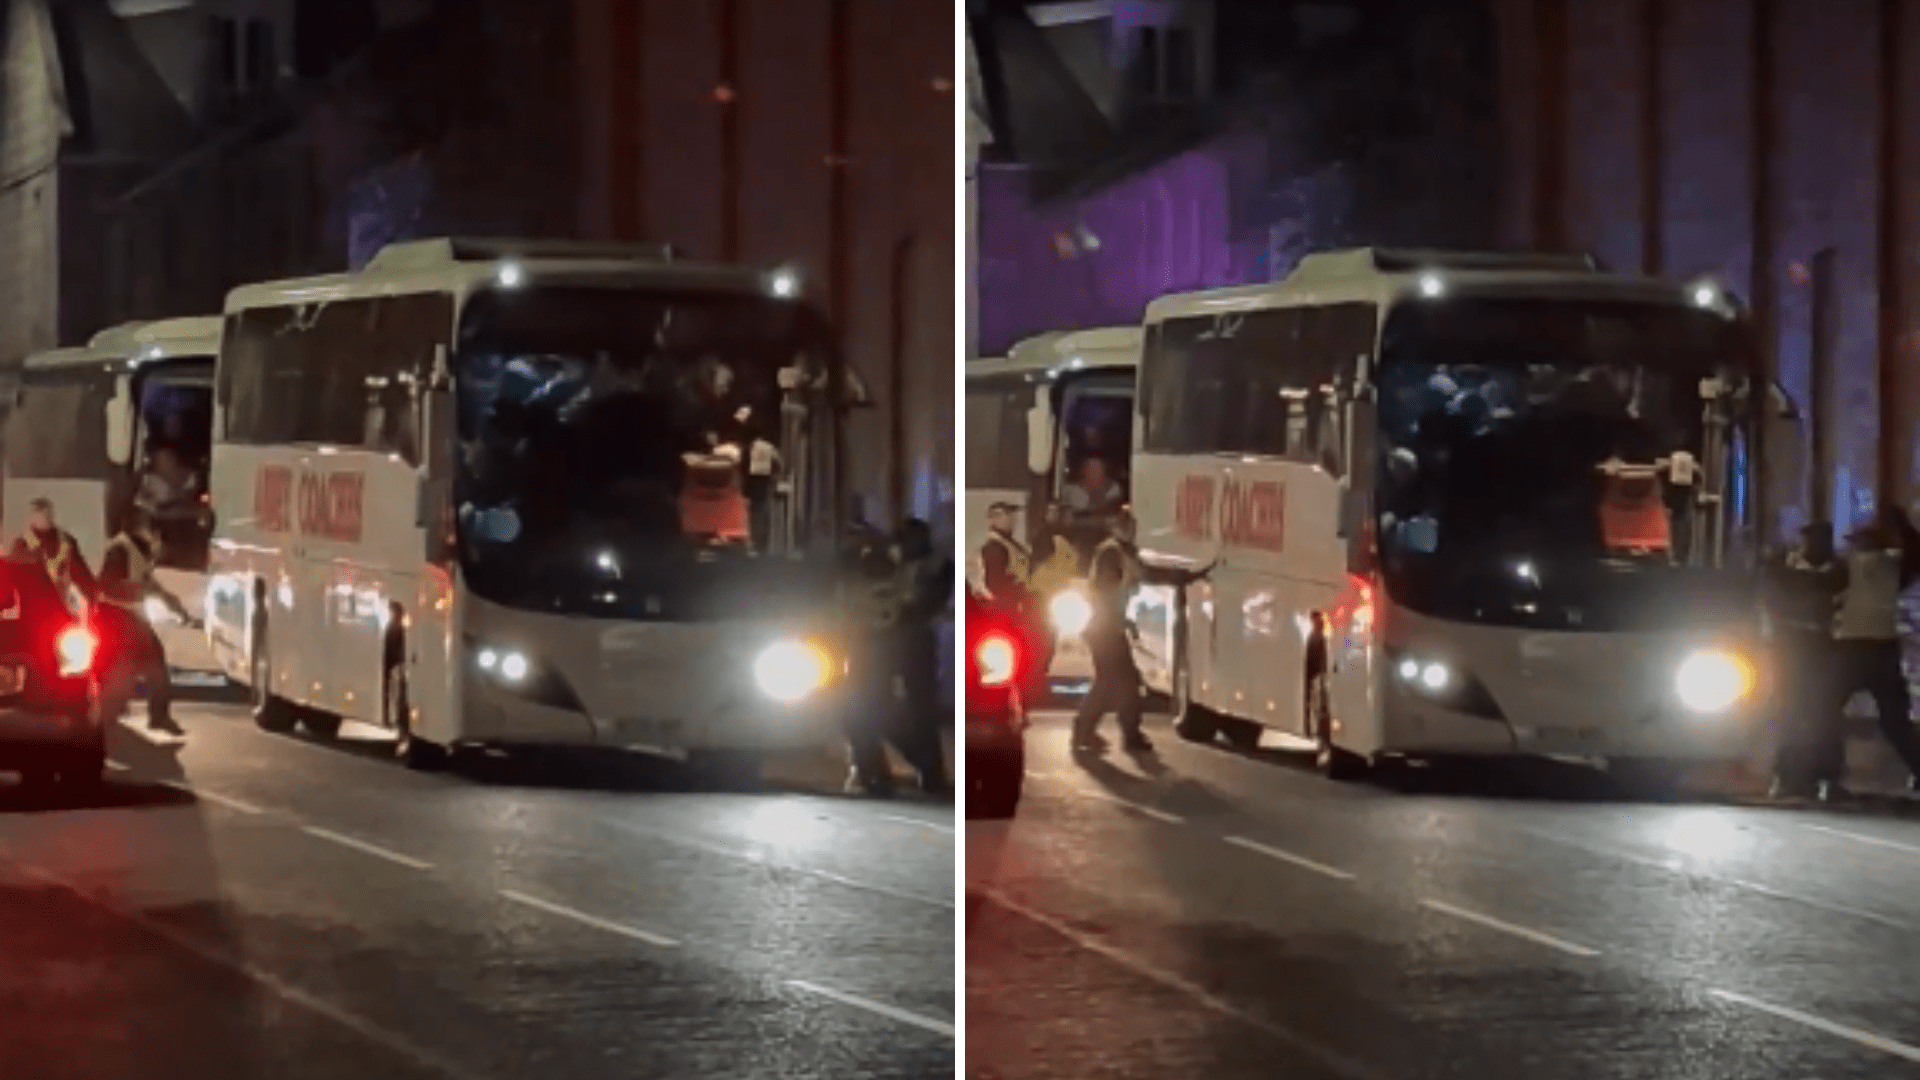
(1505, 927)
(762, 860)
(1863, 838)
(1326, 1056)
(364, 847)
(227, 801)
(1157, 815)
(366, 1029)
(933, 826)
(1036, 774)
(925, 1023)
(1852, 1035)
(117, 766)
(594, 921)
(1300, 861)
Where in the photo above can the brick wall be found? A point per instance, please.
(30, 132)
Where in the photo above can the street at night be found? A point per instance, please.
(1201, 912)
(252, 905)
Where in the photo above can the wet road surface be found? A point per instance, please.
(1209, 913)
(261, 906)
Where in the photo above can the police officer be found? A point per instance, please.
(1812, 744)
(1112, 574)
(55, 549)
(1006, 573)
(926, 585)
(126, 581)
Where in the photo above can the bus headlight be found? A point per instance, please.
(1713, 681)
(1070, 612)
(790, 671)
(507, 665)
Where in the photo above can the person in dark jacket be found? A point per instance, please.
(55, 550)
(927, 590)
(126, 582)
(1812, 746)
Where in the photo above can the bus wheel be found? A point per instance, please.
(270, 711)
(1191, 721)
(321, 725)
(1333, 762)
(413, 751)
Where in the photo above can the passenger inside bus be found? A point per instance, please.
(172, 485)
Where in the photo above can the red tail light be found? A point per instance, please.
(996, 656)
(76, 648)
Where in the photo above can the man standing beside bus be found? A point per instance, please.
(1111, 578)
(126, 581)
(55, 549)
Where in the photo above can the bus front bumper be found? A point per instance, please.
(496, 716)
(1416, 727)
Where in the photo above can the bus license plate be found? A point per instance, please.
(13, 678)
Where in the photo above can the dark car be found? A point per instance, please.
(52, 726)
(996, 655)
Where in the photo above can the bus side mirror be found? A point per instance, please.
(120, 417)
(1039, 439)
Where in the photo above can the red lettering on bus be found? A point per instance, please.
(273, 498)
(331, 506)
(1254, 515)
(1193, 507)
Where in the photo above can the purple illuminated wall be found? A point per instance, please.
(1165, 230)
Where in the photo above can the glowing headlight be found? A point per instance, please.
(1711, 681)
(788, 671)
(1070, 611)
(1431, 674)
(509, 666)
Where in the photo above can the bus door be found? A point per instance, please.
(172, 450)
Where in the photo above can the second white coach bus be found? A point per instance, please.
(1456, 504)
(528, 492)
(1057, 408)
(95, 428)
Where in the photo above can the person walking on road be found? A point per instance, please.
(927, 592)
(126, 582)
(1112, 574)
(1866, 635)
(1811, 751)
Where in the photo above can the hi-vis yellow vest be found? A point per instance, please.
(60, 562)
(1058, 570)
(139, 571)
(1018, 565)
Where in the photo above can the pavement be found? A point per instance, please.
(1204, 912)
(248, 905)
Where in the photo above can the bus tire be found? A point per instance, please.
(270, 711)
(321, 725)
(1242, 734)
(397, 711)
(1191, 720)
(1333, 762)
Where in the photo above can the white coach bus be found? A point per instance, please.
(1456, 504)
(1035, 419)
(94, 426)
(531, 492)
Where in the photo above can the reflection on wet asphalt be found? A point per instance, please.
(1209, 913)
(262, 906)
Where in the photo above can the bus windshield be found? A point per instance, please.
(58, 430)
(1530, 447)
(612, 438)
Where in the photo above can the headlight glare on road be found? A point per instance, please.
(790, 671)
(1713, 681)
(1070, 612)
